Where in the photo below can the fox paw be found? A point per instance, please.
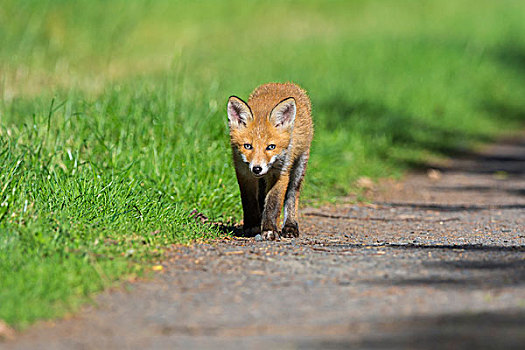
(290, 230)
(252, 231)
(270, 235)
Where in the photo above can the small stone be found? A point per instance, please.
(258, 237)
(309, 283)
(434, 174)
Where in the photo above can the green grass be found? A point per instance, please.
(113, 129)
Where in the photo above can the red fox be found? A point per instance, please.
(270, 138)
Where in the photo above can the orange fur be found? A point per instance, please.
(270, 152)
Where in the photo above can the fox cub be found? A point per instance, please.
(270, 139)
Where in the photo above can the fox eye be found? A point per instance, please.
(270, 147)
(248, 146)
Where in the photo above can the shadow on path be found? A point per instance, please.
(505, 159)
(487, 330)
(452, 207)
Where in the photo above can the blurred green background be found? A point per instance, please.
(113, 125)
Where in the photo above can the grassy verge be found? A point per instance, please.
(113, 130)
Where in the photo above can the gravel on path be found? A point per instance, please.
(435, 261)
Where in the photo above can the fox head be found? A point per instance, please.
(261, 140)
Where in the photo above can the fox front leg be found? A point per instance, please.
(291, 201)
(250, 205)
(272, 208)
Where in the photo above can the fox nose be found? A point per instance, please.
(256, 170)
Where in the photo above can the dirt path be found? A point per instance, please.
(436, 262)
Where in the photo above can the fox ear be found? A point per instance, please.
(283, 115)
(239, 113)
